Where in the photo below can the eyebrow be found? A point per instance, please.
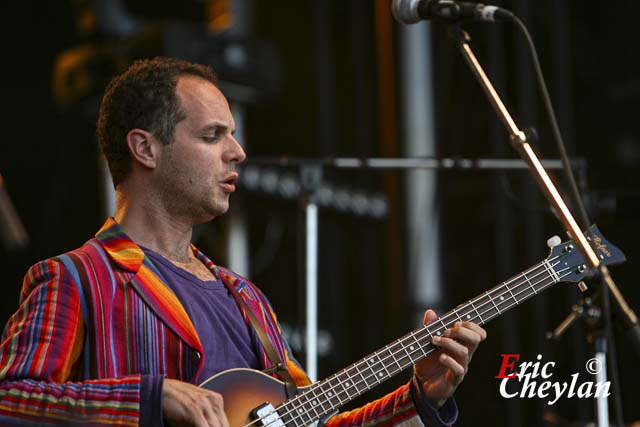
(216, 125)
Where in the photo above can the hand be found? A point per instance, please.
(441, 372)
(184, 404)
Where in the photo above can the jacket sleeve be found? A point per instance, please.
(404, 407)
(40, 353)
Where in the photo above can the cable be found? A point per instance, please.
(557, 136)
(582, 212)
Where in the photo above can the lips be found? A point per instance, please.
(229, 184)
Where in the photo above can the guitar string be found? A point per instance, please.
(414, 334)
(476, 299)
(296, 417)
(356, 384)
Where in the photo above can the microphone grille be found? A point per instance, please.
(405, 11)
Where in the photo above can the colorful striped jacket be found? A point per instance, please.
(80, 342)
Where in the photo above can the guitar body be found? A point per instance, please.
(243, 390)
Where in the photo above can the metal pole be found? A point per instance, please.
(418, 126)
(238, 241)
(602, 404)
(311, 241)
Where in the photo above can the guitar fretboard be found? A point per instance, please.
(326, 396)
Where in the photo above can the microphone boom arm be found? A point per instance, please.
(519, 140)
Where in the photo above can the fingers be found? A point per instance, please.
(466, 332)
(187, 405)
(458, 344)
(474, 327)
(214, 411)
(458, 369)
(460, 341)
(429, 316)
(456, 355)
(470, 335)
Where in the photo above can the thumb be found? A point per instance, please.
(429, 316)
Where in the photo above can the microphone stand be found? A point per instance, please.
(519, 140)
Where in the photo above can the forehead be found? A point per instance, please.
(202, 101)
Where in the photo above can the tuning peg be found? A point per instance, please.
(553, 242)
(582, 286)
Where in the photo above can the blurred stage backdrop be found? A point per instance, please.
(324, 78)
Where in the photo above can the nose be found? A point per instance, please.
(235, 153)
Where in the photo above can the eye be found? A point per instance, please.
(212, 138)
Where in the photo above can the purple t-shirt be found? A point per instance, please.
(227, 340)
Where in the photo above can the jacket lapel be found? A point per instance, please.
(147, 282)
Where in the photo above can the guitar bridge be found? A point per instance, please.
(267, 415)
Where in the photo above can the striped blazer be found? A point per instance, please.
(75, 350)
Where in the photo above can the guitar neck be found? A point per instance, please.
(326, 396)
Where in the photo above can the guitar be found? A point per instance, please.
(252, 398)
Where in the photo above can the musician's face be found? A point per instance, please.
(198, 169)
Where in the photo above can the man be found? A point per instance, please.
(120, 330)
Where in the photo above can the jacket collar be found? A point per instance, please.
(119, 246)
(148, 282)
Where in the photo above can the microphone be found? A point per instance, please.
(412, 11)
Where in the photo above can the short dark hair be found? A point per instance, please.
(144, 97)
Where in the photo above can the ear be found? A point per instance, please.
(143, 147)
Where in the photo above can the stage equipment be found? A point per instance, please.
(412, 11)
(286, 184)
(520, 141)
(310, 188)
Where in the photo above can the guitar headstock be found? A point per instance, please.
(569, 263)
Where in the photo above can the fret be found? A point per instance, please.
(467, 315)
(417, 343)
(288, 418)
(326, 388)
(511, 293)
(411, 359)
(378, 375)
(443, 325)
(346, 384)
(332, 393)
(371, 370)
(554, 276)
(300, 413)
(395, 354)
(426, 328)
(501, 296)
(315, 403)
(494, 304)
(319, 394)
(424, 353)
(455, 311)
(477, 312)
(529, 282)
(364, 380)
(384, 365)
(308, 405)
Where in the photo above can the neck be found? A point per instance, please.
(147, 223)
